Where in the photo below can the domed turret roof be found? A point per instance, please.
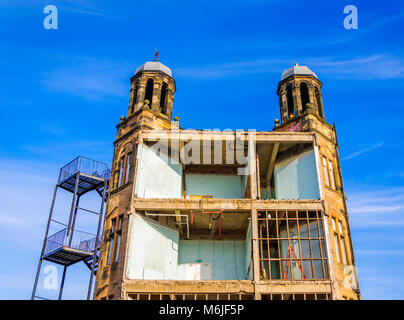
(298, 70)
(154, 66)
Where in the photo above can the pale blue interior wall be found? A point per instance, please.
(244, 177)
(244, 180)
(248, 250)
(227, 257)
(156, 178)
(153, 250)
(296, 178)
(156, 253)
(216, 185)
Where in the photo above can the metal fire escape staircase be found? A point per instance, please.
(70, 246)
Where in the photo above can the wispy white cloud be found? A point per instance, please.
(383, 208)
(90, 78)
(359, 152)
(95, 149)
(86, 7)
(377, 66)
(381, 252)
(363, 30)
(232, 68)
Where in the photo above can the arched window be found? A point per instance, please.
(289, 99)
(163, 98)
(149, 91)
(134, 98)
(304, 94)
(319, 105)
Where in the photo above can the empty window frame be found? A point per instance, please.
(128, 167)
(111, 241)
(123, 171)
(339, 242)
(325, 170)
(134, 98)
(292, 245)
(149, 92)
(337, 248)
(290, 103)
(121, 168)
(340, 226)
(331, 171)
(118, 238)
(329, 174)
(163, 98)
(304, 95)
(114, 239)
(343, 249)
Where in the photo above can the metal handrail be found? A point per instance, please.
(80, 240)
(86, 166)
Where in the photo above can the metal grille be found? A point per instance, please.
(80, 240)
(191, 296)
(86, 166)
(292, 245)
(296, 296)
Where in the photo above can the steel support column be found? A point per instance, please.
(62, 283)
(97, 240)
(72, 207)
(74, 219)
(38, 271)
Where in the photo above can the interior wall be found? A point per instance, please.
(219, 186)
(248, 253)
(296, 178)
(156, 178)
(156, 253)
(227, 258)
(153, 250)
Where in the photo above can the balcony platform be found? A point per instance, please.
(60, 249)
(67, 256)
(92, 175)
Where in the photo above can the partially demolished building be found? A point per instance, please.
(200, 214)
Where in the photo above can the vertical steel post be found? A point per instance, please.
(74, 220)
(62, 283)
(96, 240)
(44, 243)
(76, 186)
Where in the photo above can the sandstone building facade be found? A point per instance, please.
(199, 214)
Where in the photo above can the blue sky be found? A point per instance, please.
(63, 91)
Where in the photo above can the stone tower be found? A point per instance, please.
(301, 108)
(299, 93)
(151, 96)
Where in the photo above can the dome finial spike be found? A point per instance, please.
(156, 54)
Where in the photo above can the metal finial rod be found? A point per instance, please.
(156, 55)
